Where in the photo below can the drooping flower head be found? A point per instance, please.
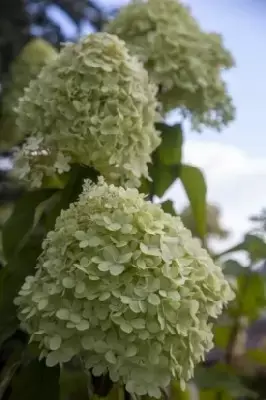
(93, 105)
(25, 68)
(183, 60)
(125, 287)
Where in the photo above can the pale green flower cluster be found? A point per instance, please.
(185, 62)
(25, 68)
(93, 105)
(125, 287)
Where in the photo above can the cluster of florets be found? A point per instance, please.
(185, 62)
(123, 286)
(94, 105)
(25, 68)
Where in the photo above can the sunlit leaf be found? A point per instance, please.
(257, 356)
(214, 395)
(176, 393)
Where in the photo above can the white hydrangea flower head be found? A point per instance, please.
(125, 287)
(25, 68)
(94, 105)
(185, 62)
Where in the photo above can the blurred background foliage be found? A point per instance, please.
(236, 367)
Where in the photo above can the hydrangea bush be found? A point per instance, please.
(24, 69)
(125, 287)
(184, 61)
(103, 280)
(94, 105)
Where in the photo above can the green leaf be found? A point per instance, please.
(176, 393)
(233, 268)
(170, 149)
(222, 335)
(57, 181)
(22, 221)
(145, 185)
(251, 294)
(168, 207)
(258, 356)
(194, 184)
(117, 393)
(163, 176)
(14, 349)
(165, 167)
(221, 378)
(36, 381)
(214, 395)
(12, 276)
(254, 245)
(73, 384)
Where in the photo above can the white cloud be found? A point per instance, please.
(236, 182)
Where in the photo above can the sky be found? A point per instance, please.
(234, 161)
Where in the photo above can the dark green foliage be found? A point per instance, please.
(12, 277)
(36, 381)
(25, 217)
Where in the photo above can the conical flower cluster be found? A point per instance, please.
(185, 62)
(125, 287)
(93, 105)
(24, 69)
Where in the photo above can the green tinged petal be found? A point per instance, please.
(138, 321)
(184, 61)
(93, 105)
